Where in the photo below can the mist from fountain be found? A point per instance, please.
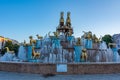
(7, 57)
(109, 55)
(116, 56)
(103, 45)
(102, 54)
(22, 54)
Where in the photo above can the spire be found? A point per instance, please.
(66, 29)
(68, 20)
(61, 19)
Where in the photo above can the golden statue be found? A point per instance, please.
(35, 55)
(8, 51)
(24, 43)
(49, 34)
(68, 20)
(84, 55)
(39, 37)
(78, 41)
(95, 39)
(61, 19)
(56, 34)
(89, 35)
(32, 41)
(85, 34)
(100, 39)
(112, 45)
(70, 33)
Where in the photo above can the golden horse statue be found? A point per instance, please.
(56, 34)
(95, 39)
(112, 44)
(84, 55)
(32, 41)
(70, 33)
(87, 35)
(8, 50)
(24, 43)
(78, 41)
(35, 54)
(49, 34)
(39, 37)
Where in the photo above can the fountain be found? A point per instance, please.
(63, 48)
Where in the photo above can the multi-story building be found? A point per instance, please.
(116, 39)
(3, 40)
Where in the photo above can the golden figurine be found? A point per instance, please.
(70, 33)
(89, 35)
(78, 41)
(61, 15)
(112, 45)
(39, 37)
(8, 50)
(68, 20)
(95, 39)
(84, 55)
(100, 39)
(85, 34)
(61, 19)
(49, 34)
(56, 34)
(24, 43)
(35, 55)
(32, 41)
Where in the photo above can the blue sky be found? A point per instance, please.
(21, 18)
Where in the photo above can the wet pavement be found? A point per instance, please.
(27, 76)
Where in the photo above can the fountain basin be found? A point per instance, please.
(72, 68)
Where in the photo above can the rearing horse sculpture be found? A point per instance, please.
(8, 51)
(32, 41)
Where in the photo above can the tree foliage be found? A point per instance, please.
(12, 47)
(107, 39)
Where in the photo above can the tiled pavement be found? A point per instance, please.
(27, 76)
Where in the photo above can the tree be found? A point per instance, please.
(108, 39)
(12, 47)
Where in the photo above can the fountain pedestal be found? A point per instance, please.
(29, 52)
(115, 55)
(38, 43)
(89, 44)
(56, 43)
(70, 39)
(77, 55)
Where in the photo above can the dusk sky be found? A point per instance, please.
(21, 18)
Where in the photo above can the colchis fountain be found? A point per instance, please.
(62, 47)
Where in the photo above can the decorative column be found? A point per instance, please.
(70, 39)
(115, 55)
(78, 51)
(38, 43)
(29, 52)
(56, 43)
(89, 43)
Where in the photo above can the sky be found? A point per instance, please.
(20, 19)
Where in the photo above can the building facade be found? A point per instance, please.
(116, 39)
